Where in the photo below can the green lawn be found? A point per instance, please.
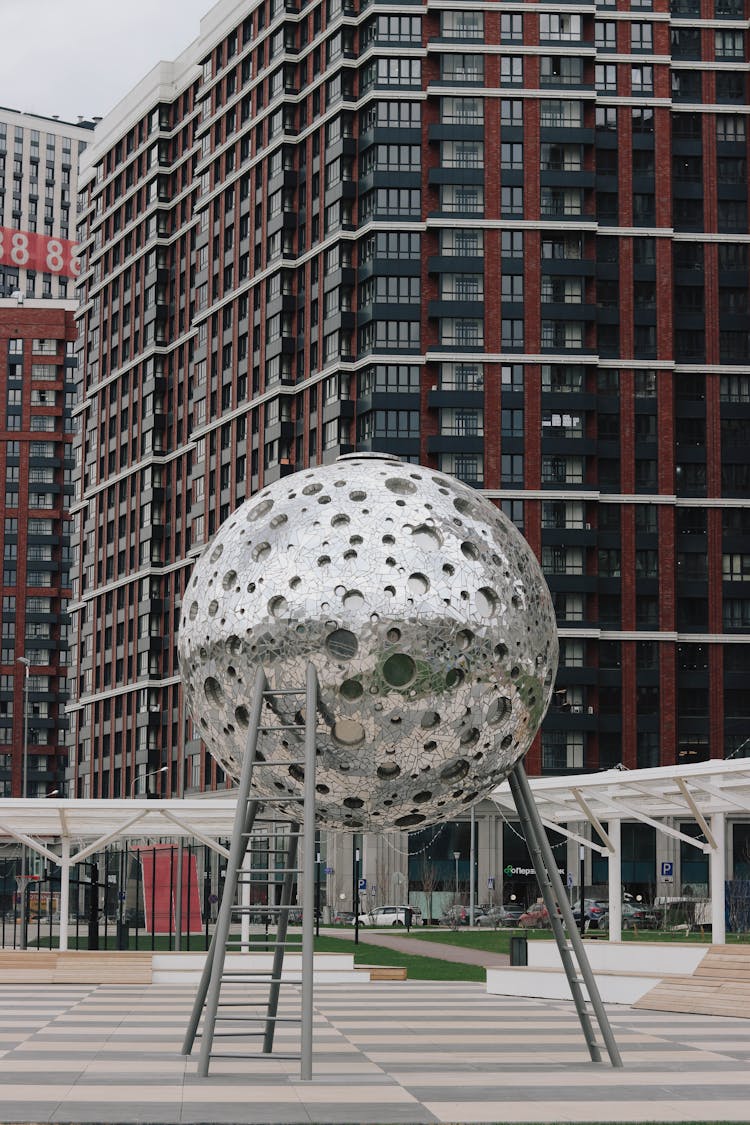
(417, 968)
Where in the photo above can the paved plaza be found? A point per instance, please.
(384, 1052)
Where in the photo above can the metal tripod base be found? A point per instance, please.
(214, 975)
(561, 917)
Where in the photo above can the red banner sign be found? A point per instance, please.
(39, 252)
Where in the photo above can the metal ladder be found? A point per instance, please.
(222, 1008)
(571, 949)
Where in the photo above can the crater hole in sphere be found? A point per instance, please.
(448, 569)
(387, 773)
(213, 608)
(469, 737)
(426, 537)
(409, 820)
(217, 552)
(348, 555)
(400, 486)
(323, 560)
(469, 550)
(357, 495)
(354, 599)
(242, 717)
(501, 651)
(388, 540)
(390, 590)
(393, 635)
(399, 670)
(347, 732)
(498, 710)
(229, 579)
(455, 770)
(486, 601)
(340, 521)
(261, 552)
(421, 798)
(429, 720)
(322, 789)
(464, 639)
(507, 742)
(234, 645)
(279, 520)
(351, 690)
(193, 611)
(355, 540)
(353, 802)
(295, 582)
(454, 678)
(259, 510)
(311, 489)
(418, 583)
(277, 606)
(297, 773)
(213, 692)
(341, 644)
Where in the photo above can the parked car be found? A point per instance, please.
(391, 916)
(496, 916)
(514, 910)
(456, 916)
(595, 911)
(343, 918)
(637, 915)
(536, 917)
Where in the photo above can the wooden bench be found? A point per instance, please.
(42, 966)
(383, 972)
(720, 986)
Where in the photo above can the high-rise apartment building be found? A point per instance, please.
(506, 240)
(38, 266)
(38, 188)
(37, 388)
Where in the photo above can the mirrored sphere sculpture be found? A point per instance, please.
(425, 613)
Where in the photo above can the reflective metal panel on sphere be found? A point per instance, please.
(425, 613)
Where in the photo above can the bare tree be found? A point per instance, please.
(429, 879)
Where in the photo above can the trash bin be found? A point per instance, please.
(123, 935)
(519, 949)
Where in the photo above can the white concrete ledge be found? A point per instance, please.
(186, 968)
(624, 971)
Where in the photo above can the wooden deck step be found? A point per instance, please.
(383, 972)
(31, 966)
(720, 986)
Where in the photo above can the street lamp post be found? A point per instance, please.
(456, 857)
(24, 792)
(144, 777)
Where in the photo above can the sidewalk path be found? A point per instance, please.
(441, 951)
(387, 1053)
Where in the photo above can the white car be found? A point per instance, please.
(390, 916)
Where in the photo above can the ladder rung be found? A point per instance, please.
(282, 726)
(284, 691)
(232, 976)
(263, 1055)
(271, 1019)
(279, 764)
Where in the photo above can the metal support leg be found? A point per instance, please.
(281, 930)
(308, 869)
(215, 959)
(559, 911)
(200, 999)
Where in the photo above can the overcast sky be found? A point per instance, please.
(77, 58)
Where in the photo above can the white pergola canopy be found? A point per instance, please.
(705, 792)
(67, 832)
